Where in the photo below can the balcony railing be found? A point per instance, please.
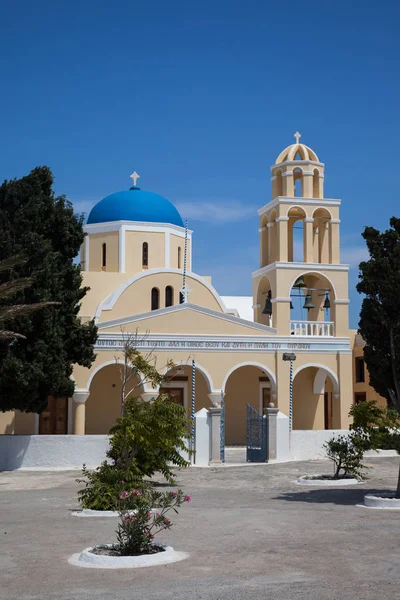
(312, 328)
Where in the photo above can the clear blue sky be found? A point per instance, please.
(199, 98)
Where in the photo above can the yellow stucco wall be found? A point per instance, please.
(136, 298)
(95, 251)
(133, 253)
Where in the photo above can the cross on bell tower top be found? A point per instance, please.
(135, 176)
(297, 137)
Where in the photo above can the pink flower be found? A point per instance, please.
(148, 516)
(124, 495)
(152, 537)
(135, 492)
(122, 482)
(174, 494)
(167, 521)
(186, 499)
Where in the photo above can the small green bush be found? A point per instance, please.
(346, 452)
(149, 438)
(381, 425)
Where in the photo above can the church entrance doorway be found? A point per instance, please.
(175, 394)
(54, 419)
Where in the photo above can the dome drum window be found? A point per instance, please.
(145, 255)
(103, 257)
(155, 298)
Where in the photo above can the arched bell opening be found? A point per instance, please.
(311, 301)
(315, 398)
(264, 243)
(277, 184)
(264, 311)
(296, 241)
(298, 183)
(317, 184)
(322, 234)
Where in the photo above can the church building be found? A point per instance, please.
(137, 260)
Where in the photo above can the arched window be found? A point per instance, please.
(145, 254)
(103, 256)
(179, 257)
(155, 298)
(169, 295)
(296, 239)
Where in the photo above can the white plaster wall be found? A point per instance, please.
(51, 451)
(282, 438)
(203, 438)
(308, 444)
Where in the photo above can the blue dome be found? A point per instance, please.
(135, 205)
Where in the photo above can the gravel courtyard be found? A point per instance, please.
(250, 531)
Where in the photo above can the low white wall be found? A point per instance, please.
(308, 444)
(51, 451)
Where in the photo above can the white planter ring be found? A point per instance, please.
(88, 512)
(100, 561)
(383, 502)
(329, 483)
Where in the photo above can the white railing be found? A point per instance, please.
(312, 328)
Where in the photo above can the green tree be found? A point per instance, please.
(380, 312)
(43, 228)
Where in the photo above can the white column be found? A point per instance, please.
(80, 399)
(167, 249)
(86, 252)
(121, 249)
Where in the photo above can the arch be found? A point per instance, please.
(326, 371)
(155, 298)
(266, 370)
(263, 287)
(264, 249)
(200, 368)
(169, 295)
(319, 382)
(298, 182)
(103, 405)
(322, 208)
(145, 254)
(314, 272)
(278, 184)
(296, 242)
(109, 302)
(322, 251)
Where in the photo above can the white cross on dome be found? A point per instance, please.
(135, 176)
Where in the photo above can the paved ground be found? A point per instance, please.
(251, 534)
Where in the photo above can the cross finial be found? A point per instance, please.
(297, 137)
(135, 176)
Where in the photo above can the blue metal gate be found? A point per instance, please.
(256, 436)
(222, 438)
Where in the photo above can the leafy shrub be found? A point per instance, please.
(104, 486)
(380, 424)
(136, 531)
(147, 439)
(346, 452)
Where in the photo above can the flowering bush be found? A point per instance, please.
(136, 531)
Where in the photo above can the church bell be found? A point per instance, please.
(308, 303)
(327, 302)
(268, 305)
(299, 283)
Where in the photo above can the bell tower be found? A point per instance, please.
(300, 251)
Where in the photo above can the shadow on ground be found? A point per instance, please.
(344, 497)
